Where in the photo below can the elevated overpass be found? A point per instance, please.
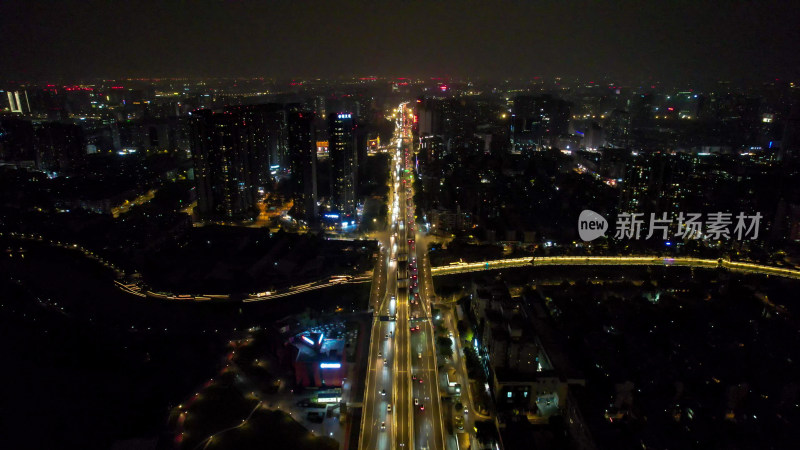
(733, 266)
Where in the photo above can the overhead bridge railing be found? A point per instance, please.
(734, 266)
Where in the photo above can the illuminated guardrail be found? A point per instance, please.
(616, 261)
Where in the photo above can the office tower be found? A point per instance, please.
(350, 104)
(226, 183)
(344, 162)
(303, 163)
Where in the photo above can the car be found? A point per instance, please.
(389, 407)
(422, 407)
(466, 410)
(385, 363)
(383, 391)
(420, 380)
(414, 377)
(383, 426)
(380, 354)
(419, 354)
(417, 327)
(416, 401)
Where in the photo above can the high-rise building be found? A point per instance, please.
(60, 147)
(267, 132)
(226, 183)
(344, 162)
(53, 147)
(642, 111)
(661, 182)
(618, 128)
(303, 163)
(536, 120)
(17, 140)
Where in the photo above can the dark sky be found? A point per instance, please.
(665, 40)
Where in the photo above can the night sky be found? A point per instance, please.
(664, 40)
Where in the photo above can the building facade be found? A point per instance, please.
(221, 146)
(344, 163)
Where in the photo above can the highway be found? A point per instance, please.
(405, 410)
(428, 419)
(387, 411)
(377, 424)
(402, 360)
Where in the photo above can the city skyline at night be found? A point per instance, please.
(399, 225)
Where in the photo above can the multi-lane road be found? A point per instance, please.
(428, 423)
(402, 404)
(386, 417)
